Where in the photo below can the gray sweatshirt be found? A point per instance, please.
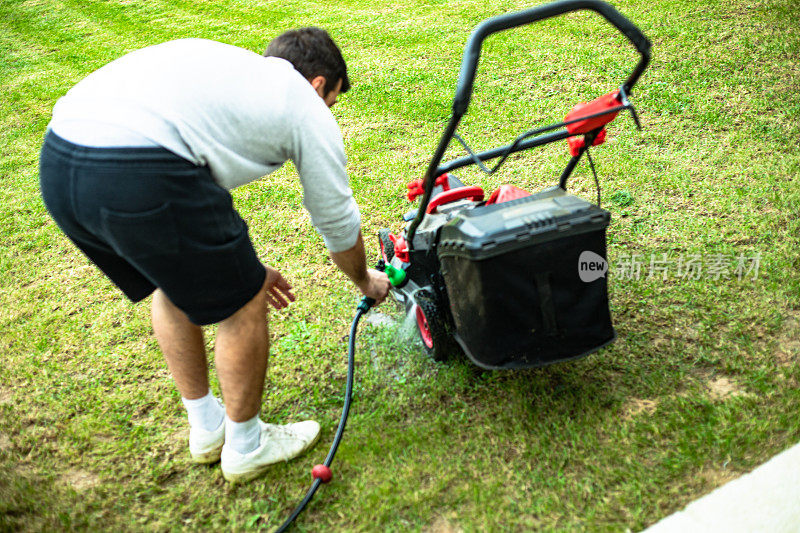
(214, 104)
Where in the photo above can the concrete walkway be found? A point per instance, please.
(765, 500)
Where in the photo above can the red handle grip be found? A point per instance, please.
(473, 193)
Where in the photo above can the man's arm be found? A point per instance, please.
(353, 262)
(317, 150)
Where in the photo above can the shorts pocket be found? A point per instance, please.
(143, 234)
(225, 267)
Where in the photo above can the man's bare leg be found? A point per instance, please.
(241, 353)
(242, 350)
(181, 342)
(241, 356)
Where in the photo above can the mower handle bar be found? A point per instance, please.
(469, 65)
(472, 51)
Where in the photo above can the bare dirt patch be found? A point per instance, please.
(788, 354)
(722, 388)
(177, 442)
(442, 525)
(5, 442)
(25, 470)
(636, 406)
(5, 396)
(788, 341)
(716, 477)
(80, 479)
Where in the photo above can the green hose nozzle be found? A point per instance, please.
(397, 277)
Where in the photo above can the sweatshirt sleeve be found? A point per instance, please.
(318, 153)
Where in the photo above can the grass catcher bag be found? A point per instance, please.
(526, 280)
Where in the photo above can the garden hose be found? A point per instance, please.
(322, 473)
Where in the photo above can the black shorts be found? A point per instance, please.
(149, 218)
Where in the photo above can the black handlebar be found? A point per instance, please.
(469, 66)
(472, 51)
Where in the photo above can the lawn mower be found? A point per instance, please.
(502, 278)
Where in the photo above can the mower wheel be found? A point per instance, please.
(387, 246)
(432, 328)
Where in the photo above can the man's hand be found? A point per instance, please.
(278, 289)
(376, 285)
(372, 283)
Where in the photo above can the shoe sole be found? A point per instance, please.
(207, 458)
(253, 474)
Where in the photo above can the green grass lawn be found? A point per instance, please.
(700, 386)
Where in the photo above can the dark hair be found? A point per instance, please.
(313, 53)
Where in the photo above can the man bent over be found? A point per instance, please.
(136, 168)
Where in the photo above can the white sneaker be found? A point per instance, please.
(277, 443)
(206, 446)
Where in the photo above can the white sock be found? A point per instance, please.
(243, 437)
(206, 412)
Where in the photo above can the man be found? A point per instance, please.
(135, 169)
